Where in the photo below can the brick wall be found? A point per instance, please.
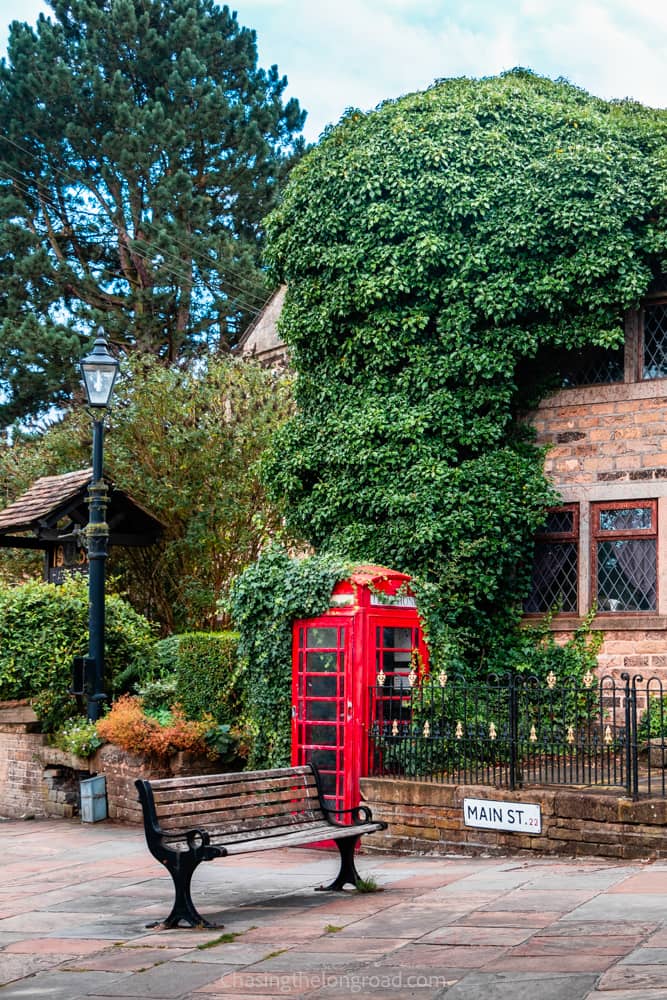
(609, 443)
(605, 434)
(425, 817)
(21, 785)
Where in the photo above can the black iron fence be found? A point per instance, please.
(520, 730)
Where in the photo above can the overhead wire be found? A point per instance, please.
(75, 182)
(240, 295)
(165, 266)
(171, 270)
(233, 292)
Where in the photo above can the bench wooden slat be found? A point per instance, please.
(227, 836)
(232, 789)
(233, 777)
(173, 806)
(268, 839)
(312, 836)
(242, 830)
(248, 819)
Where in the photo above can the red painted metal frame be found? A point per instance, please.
(354, 608)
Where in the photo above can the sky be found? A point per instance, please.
(338, 54)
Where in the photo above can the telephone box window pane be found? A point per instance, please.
(324, 758)
(322, 662)
(328, 783)
(322, 638)
(627, 575)
(398, 660)
(321, 711)
(397, 638)
(325, 735)
(322, 687)
(554, 580)
(626, 519)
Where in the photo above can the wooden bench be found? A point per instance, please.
(195, 819)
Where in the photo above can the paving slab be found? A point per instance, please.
(638, 994)
(521, 986)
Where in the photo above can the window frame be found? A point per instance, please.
(556, 537)
(598, 534)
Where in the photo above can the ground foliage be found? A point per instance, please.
(264, 602)
(129, 727)
(184, 443)
(431, 249)
(140, 146)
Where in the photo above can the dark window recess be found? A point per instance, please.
(655, 341)
(625, 556)
(559, 522)
(593, 366)
(554, 582)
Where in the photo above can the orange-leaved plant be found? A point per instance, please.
(128, 726)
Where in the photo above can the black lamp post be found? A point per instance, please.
(99, 370)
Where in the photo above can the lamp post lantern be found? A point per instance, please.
(99, 370)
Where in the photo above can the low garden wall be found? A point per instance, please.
(37, 780)
(428, 818)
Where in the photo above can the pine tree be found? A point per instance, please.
(140, 147)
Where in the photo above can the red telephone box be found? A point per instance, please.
(371, 628)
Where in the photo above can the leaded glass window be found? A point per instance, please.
(625, 555)
(554, 582)
(655, 340)
(594, 366)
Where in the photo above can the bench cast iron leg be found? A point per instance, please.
(181, 871)
(348, 873)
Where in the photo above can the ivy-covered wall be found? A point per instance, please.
(435, 250)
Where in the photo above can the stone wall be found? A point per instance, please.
(122, 769)
(425, 817)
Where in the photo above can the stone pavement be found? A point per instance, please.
(75, 899)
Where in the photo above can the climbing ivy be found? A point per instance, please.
(264, 602)
(434, 249)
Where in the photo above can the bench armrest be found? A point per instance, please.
(360, 815)
(194, 838)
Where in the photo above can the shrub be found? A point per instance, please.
(43, 627)
(128, 726)
(653, 723)
(78, 736)
(209, 680)
(166, 655)
(157, 695)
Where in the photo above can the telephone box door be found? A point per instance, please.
(321, 702)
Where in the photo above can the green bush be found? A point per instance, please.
(166, 655)
(208, 677)
(653, 723)
(157, 695)
(43, 627)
